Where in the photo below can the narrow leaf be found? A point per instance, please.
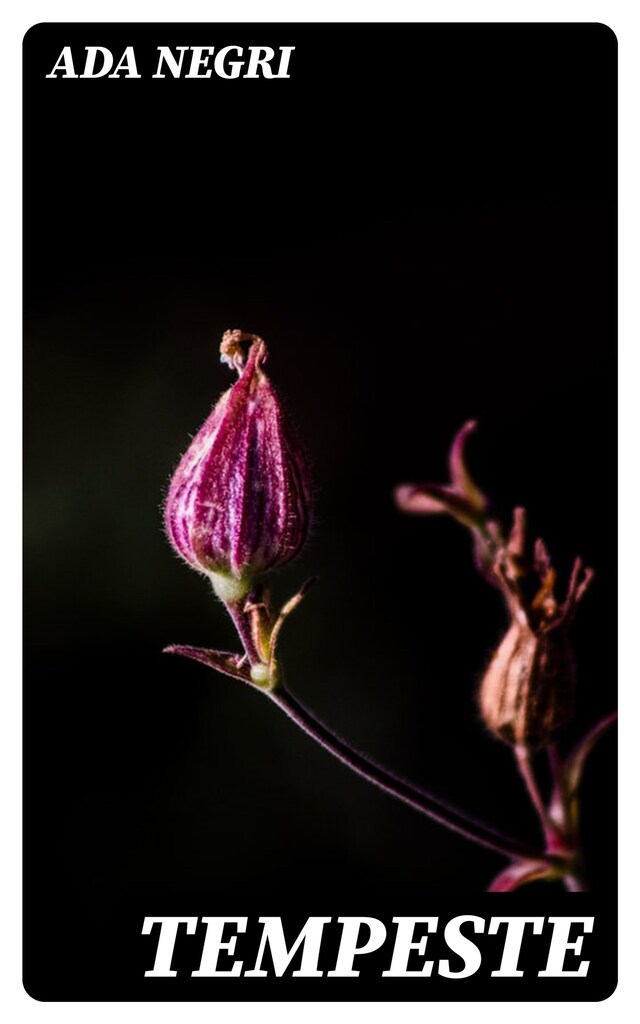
(429, 499)
(460, 477)
(234, 665)
(520, 873)
(575, 763)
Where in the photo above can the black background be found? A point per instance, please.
(421, 224)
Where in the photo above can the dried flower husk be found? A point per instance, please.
(527, 693)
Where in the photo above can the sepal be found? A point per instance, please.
(234, 665)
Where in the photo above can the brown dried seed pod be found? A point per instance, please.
(527, 694)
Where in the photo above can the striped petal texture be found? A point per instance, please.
(239, 502)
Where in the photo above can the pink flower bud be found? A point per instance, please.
(239, 502)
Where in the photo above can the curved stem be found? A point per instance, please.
(523, 760)
(415, 797)
(558, 835)
(555, 765)
(241, 622)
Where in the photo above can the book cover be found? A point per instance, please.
(412, 230)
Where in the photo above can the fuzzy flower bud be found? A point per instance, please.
(239, 502)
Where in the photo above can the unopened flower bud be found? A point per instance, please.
(527, 693)
(239, 502)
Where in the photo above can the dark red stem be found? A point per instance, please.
(415, 797)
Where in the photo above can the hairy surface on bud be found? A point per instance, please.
(527, 693)
(239, 501)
